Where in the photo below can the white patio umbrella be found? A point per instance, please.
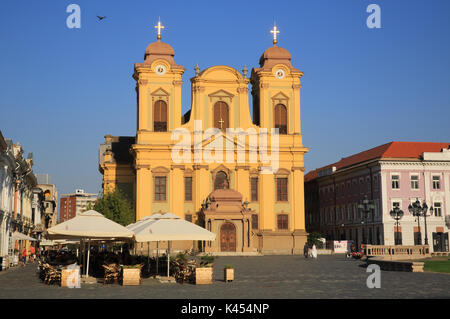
(143, 220)
(89, 225)
(169, 227)
(19, 236)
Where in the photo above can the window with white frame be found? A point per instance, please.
(414, 181)
(437, 207)
(436, 182)
(395, 181)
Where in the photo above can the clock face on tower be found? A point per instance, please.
(279, 74)
(160, 69)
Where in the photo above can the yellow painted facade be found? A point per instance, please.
(150, 155)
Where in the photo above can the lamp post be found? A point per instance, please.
(366, 206)
(397, 214)
(420, 211)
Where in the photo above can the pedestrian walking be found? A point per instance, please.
(314, 251)
(24, 256)
(32, 253)
(306, 250)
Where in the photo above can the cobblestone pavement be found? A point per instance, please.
(266, 277)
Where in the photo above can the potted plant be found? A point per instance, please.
(204, 272)
(131, 275)
(229, 273)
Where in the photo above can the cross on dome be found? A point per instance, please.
(159, 26)
(274, 31)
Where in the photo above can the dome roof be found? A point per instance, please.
(276, 52)
(159, 48)
(275, 55)
(159, 51)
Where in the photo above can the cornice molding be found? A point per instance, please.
(142, 166)
(200, 166)
(414, 163)
(242, 90)
(142, 82)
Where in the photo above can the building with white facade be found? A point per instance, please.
(19, 200)
(393, 174)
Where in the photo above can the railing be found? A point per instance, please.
(398, 251)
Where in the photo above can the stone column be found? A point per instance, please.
(298, 210)
(144, 191)
(143, 111)
(177, 190)
(267, 202)
(243, 181)
(201, 184)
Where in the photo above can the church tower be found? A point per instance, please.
(276, 104)
(276, 90)
(158, 86)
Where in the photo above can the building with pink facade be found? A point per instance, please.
(396, 173)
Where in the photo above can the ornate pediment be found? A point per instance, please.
(160, 92)
(280, 97)
(221, 95)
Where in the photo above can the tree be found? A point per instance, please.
(313, 239)
(116, 206)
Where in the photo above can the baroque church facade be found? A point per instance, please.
(251, 203)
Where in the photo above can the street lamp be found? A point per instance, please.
(366, 206)
(397, 214)
(420, 211)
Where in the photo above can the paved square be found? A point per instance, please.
(266, 277)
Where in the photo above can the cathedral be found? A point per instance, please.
(239, 177)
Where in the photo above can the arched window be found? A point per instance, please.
(221, 120)
(160, 116)
(281, 118)
(221, 181)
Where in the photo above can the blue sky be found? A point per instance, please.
(361, 88)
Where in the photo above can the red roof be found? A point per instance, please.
(401, 150)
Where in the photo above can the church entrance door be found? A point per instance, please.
(228, 237)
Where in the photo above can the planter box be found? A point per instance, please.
(228, 274)
(203, 276)
(131, 277)
(70, 278)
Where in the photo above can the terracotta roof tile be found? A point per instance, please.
(385, 151)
